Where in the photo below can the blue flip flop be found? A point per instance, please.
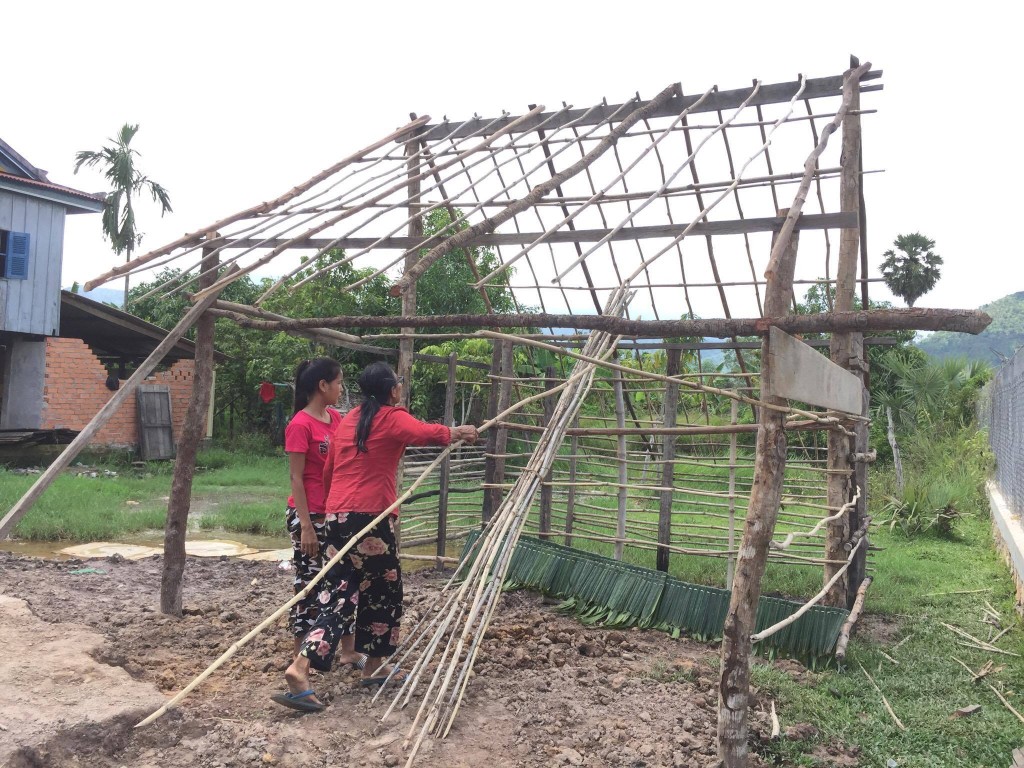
(298, 701)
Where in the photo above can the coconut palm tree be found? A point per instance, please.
(913, 271)
(118, 163)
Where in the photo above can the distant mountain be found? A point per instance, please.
(999, 341)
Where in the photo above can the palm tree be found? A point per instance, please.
(118, 163)
(915, 270)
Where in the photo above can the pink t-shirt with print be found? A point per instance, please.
(305, 434)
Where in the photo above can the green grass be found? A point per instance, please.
(928, 685)
(262, 517)
(82, 508)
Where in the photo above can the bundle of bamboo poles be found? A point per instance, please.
(457, 629)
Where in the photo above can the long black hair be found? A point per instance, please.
(376, 383)
(308, 376)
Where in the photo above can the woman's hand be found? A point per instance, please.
(467, 433)
(309, 544)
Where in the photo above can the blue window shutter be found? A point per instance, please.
(17, 256)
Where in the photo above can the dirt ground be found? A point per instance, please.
(548, 691)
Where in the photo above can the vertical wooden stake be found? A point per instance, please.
(847, 350)
(546, 491)
(503, 396)
(192, 433)
(570, 502)
(731, 560)
(406, 345)
(446, 466)
(620, 454)
(490, 462)
(668, 455)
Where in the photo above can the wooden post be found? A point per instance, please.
(490, 462)
(192, 433)
(406, 345)
(858, 513)
(847, 350)
(731, 561)
(104, 415)
(446, 466)
(620, 454)
(762, 513)
(503, 395)
(668, 455)
(570, 501)
(546, 491)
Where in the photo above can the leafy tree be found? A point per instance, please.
(914, 270)
(118, 164)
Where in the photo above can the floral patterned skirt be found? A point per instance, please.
(304, 613)
(361, 593)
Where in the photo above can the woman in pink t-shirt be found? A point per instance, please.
(307, 440)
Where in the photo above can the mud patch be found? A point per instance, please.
(548, 691)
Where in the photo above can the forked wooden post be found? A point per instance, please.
(668, 456)
(192, 433)
(446, 465)
(620, 455)
(546, 491)
(762, 512)
(846, 350)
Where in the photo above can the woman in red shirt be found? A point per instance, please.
(307, 440)
(362, 594)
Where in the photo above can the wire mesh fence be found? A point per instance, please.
(1001, 412)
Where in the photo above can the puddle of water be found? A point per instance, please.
(198, 544)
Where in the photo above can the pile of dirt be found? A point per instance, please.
(548, 691)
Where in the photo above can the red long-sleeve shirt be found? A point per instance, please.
(365, 482)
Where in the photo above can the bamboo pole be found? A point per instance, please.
(264, 207)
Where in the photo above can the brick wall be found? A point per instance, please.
(75, 390)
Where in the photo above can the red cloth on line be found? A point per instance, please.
(308, 435)
(365, 482)
(267, 392)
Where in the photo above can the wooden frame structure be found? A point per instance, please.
(590, 210)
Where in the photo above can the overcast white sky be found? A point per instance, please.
(240, 101)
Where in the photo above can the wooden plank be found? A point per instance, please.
(800, 373)
(156, 436)
(730, 227)
(774, 93)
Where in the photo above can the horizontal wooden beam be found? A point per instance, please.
(776, 93)
(713, 429)
(732, 227)
(914, 319)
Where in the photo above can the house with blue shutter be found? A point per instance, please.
(62, 355)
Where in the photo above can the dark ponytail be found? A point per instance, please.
(308, 376)
(376, 383)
